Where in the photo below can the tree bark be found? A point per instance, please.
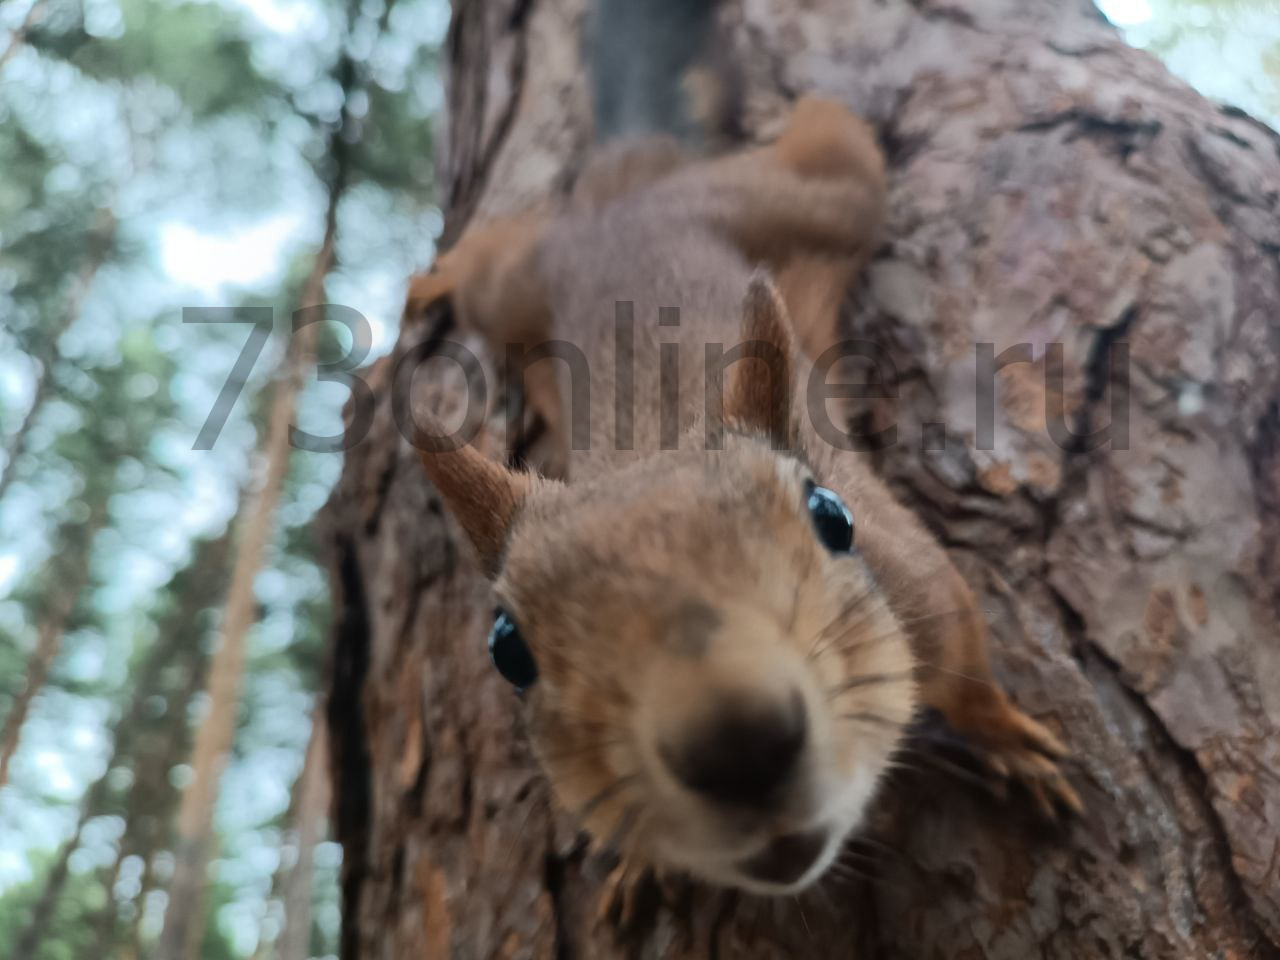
(1050, 186)
(153, 803)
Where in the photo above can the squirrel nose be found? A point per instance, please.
(743, 752)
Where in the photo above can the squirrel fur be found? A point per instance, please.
(717, 691)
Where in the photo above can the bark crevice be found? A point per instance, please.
(1200, 789)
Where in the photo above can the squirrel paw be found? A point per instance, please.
(1016, 748)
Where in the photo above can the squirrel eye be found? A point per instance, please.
(831, 518)
(509, 653)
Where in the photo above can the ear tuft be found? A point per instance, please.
(482, 495)
(756, 401)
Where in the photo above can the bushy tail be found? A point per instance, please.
(658, 67)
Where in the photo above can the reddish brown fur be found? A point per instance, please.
(644, 546)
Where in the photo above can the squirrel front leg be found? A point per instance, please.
(491, 283)
(955, 679)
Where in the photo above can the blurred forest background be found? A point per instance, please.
(160, 604)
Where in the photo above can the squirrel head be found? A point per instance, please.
(713, 680)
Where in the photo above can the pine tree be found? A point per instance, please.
(68, 575)
(185, 914)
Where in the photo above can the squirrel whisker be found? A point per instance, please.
(848, 609)
(862, 642)
(840, 870)
(873, 719)
(926, 665)
(870, 680)
(908, 621)
(825, 638)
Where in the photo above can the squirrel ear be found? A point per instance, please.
(481, 494)
(763, 402)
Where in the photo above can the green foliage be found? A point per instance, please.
(398, 148)
(200, 51)
(193, 109)
(117, 117)
(82, 900)
(74, 929)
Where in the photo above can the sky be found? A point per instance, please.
(1227, 51)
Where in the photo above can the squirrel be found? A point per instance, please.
(721, 623)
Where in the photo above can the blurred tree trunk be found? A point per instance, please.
(166, 648)
(101, 244)
(291, 884)
(313, 800)
(19, 36)
(184, 915)
(1049, 186)
(152, 741)
(69, 573)
(196, 587)
(153, 801)
(38, 923)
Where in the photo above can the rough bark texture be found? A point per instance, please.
(1050, 185)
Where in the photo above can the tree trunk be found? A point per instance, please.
(313, 801)
(195, 585)
(153, 804)
(291, 885)
(48, 640)
(184, 915)
(1049, 186)
(71, 573)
